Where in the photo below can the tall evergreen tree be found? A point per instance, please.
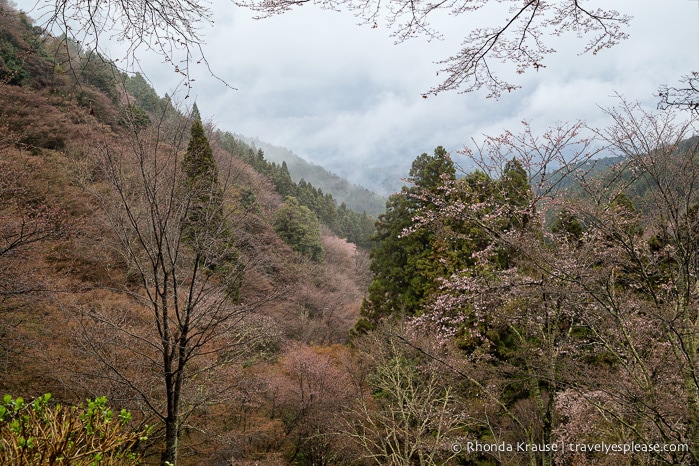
(199, 164)
(195, 113)
(201, 172)
(206, 223)
(400, 262)
(282, 180)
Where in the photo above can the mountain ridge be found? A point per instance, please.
(354, 196)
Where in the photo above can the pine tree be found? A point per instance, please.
(282, 180)
(201, 183)
(195, 113)
(206, 223)
(401, 263)
(199, 164)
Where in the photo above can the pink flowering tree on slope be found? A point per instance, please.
(582, 308)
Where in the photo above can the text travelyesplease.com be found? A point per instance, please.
(524, 447)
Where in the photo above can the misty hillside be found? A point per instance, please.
(355, 197)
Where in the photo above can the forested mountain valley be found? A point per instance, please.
(353, 196)
(168, 295)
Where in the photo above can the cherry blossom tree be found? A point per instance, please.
(599, 308)
(309, 394)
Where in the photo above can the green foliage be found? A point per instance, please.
(101, 73)
(23, 59)
(357, 198)
(90, 434)
(515, 192)
(201, 183)
(248, 200)
(199, 164)
(432, 229)
(133, 116)
(282, 180)
(411, 417)
(346, 223)
(195, 114)
(206, 228)
(392, 262)
(298, 226)
(568, 225)
(402, 263)
(145, 95)
(11, 66)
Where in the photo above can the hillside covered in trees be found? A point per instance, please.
(170, 296)
(355, 197)
(151, 259)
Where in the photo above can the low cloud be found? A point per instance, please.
(346, 97)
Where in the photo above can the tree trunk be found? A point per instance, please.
(169, 456)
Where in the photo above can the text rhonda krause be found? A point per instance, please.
(624, 448)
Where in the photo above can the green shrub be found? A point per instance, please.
(41, 433)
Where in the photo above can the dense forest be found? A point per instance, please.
(170, 296)
(355, 197)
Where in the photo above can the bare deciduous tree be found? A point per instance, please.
(411, 414)
(685, 96)
(181, 321)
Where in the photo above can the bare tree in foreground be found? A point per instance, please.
(409, 413)
(180, 324)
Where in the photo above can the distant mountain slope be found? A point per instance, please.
(570, 180)
(613, 171)
(355, 197)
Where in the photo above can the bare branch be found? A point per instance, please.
(519, 39)
(685, 97)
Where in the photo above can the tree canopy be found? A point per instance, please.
(399, 261)
(298, 226)
(416, 248)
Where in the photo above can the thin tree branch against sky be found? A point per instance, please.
(172, 29)
(521, 38)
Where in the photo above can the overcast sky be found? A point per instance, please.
(346, 97)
